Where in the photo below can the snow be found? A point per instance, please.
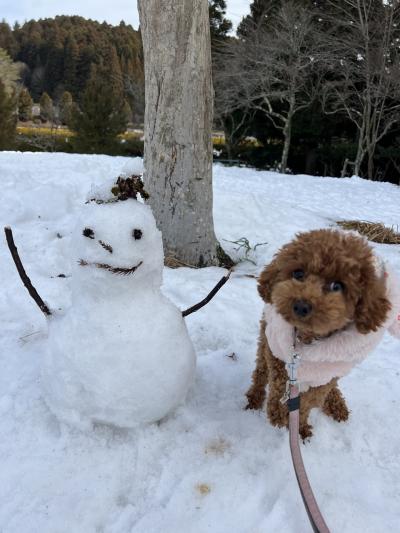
(210, 466)
(120, 354)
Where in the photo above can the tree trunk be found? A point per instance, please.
(360, 155)
(178, 121)
(287, 134)
(357, 165)
(287, 130)
(370, 163)
(228, 147)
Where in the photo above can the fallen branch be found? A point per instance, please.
(210, 296)
(22, 274)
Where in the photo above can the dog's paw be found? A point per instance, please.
(255, 400)
(335, 406)
(340, 415)
(253, 405)
(306, 431)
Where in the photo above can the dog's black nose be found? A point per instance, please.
(302, 308)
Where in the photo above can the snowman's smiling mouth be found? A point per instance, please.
(115, 270)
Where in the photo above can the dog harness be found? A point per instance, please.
(336, 355)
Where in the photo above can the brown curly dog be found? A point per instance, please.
(319, 284)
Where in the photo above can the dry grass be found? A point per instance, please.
(218, 139)
(203, 489)
(172, 262)
(44, 131)
(373, 231)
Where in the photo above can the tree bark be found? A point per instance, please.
(287, 134)
(178, 122)
(360, 150)
(287, 130)
(371, 163)
(357, 164)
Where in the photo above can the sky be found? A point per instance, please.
(112, 12)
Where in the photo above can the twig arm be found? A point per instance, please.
(209, 297)
(22, 274)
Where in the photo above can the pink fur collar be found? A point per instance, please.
(336, 355)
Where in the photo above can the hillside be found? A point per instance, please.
(59, 54)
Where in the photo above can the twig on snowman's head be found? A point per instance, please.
(210, 296)
(23, 275)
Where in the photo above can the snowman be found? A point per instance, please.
(121, 355)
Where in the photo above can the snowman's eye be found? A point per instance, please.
(137, 234)
(88, 232)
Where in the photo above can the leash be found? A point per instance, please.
(292, 400)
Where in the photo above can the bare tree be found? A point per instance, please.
(232, 118)
(272, 68)
(235, 125)
(365, 70)
(178, 122)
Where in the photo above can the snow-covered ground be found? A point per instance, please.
(211, 467)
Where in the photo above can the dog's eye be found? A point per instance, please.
(88, 232)
(298, 274)
(336, 286)
(137, 234)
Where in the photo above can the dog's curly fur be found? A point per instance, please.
(325, 256)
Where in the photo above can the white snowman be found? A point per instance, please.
(122, 354)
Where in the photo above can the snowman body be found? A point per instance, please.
(121, 355)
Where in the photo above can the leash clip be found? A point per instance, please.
(292, 368)
(292, 372)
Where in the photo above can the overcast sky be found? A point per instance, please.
(113, 12)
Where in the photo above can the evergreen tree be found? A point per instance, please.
(31, 48)
(59, 54)
(7, 39)
(87, 60)
(54, 70)
(66, 108)
(71, 61)
(25, 103)
(113, 71)
(260, 14)
(100, 119)
(219, 25)
(46, 108)
(8, 118)
(9, 71)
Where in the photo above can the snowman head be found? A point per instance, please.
(120, 241)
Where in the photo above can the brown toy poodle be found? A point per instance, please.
(326, 294)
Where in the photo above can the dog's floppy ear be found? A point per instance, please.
(266, 280)
(373, 306)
